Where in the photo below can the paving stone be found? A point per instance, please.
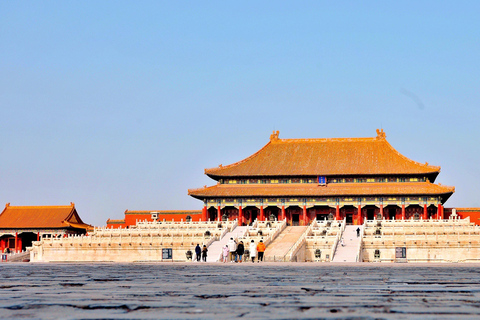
(253, 291)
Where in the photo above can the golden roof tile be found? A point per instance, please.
(31, 217)
(329, 156)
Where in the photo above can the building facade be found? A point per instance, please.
(21, 225)
(133, 216)
(337, 178)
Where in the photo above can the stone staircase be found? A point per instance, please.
(282, 244)
(348, 252)
(215, 249)
(18, 257)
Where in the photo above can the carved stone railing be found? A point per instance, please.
(337, 239)
(301, 241)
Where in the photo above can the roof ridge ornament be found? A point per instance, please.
(381, 134)
(274, 135)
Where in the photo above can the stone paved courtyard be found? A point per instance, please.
(250, 291)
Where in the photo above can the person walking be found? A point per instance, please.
(204, 253)
(240, 251)
(342, 243)
(253, 251)
(225, 252)
(232, 246)
(198, 252)
(260, 250)
(358, 232)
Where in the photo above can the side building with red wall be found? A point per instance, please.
(131, 217)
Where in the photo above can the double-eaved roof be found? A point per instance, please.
(338, 157)
(41, 217)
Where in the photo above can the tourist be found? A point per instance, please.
(204, 253)
(198, 252)
(232, 246)
(253, 250)
(225, 253)
(342, 243)
(358, 232)
(260, 250)
(240, 251)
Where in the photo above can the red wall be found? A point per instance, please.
(473, 213)
(132, 218)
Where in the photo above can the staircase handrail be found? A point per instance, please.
(298, 244)
(337, 239)
(224, 232)
(234, 225)
(277, 231)
(359, 248)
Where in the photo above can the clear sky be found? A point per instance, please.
(119, 105)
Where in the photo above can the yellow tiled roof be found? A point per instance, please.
(41, 217)
(334, 156)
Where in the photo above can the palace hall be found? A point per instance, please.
(332, 178)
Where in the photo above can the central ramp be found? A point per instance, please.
(277, 250)
(215, 249)
(349, 251)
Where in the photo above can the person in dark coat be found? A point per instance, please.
(204, 253)
(358, 232)
(198, 252)
(240, 251)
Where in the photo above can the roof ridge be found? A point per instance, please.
(72, 205)
(324, 140)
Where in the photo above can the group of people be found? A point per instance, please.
(236, 251)
(201, 253)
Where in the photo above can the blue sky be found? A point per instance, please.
(119, 105)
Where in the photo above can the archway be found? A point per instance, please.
(370, 212)
(26, 239)
(229, 212)
(392, 212)
(250, 214)
(320, 212)
(272, 212)
(414, 211)
(432, 211)
(212, 214)
(294, 214)
(350, 213)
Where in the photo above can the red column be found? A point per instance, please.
(240, 216)
(2, 245)
(359, 215)
(440, 211)
(16, 242)
(204, 213)
(262, 215)
(305, 215)
(219, 214)
(403, 212)
(337, 213)
(38, 236)
(381, 210)
(283, 213)
(425, 212)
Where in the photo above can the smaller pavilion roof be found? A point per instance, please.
(41, 217)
